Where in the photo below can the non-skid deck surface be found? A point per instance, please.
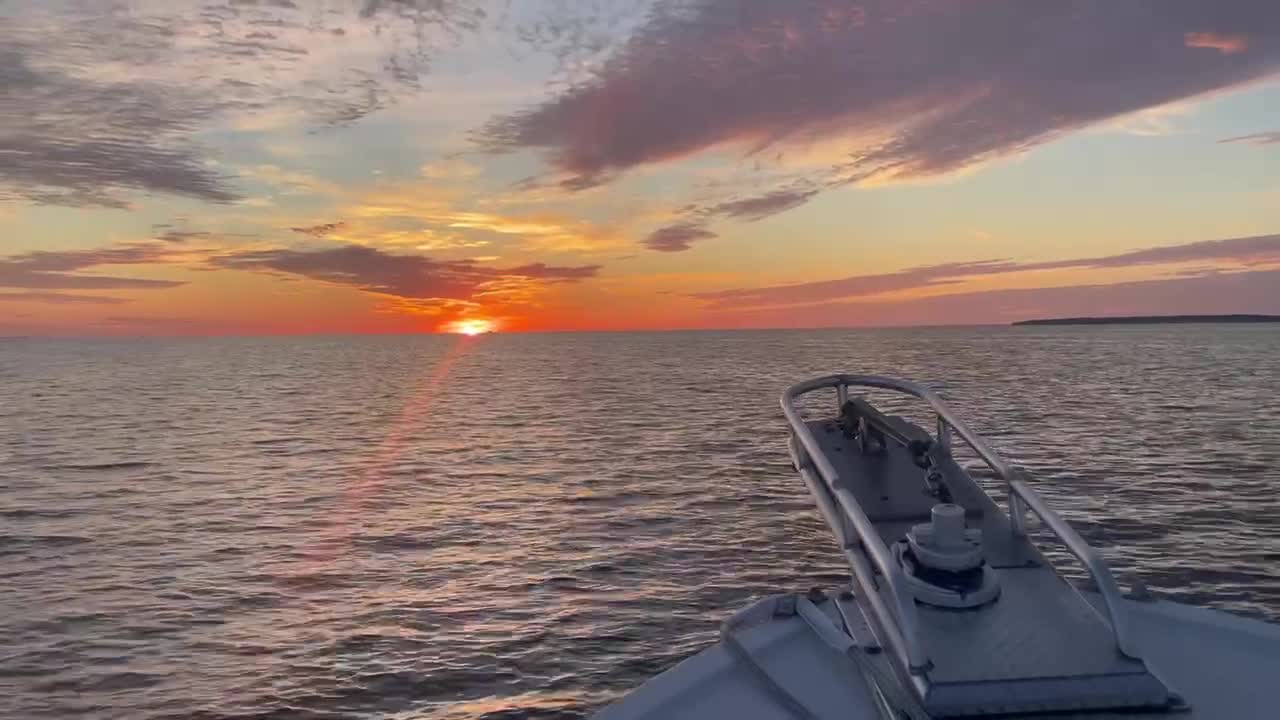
(890, 489)
(1039, 627)
(1038, 641)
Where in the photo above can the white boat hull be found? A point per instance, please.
(1223, 666)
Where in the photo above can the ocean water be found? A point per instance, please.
(529, 525)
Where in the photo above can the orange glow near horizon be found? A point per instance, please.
(470, 326)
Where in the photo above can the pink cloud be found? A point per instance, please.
(1225, 44)
(914, 88)
(1215, 293)
(1249, 251)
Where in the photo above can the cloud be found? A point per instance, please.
(69, 141)
(545, 232)
(413, 217)
(186, 239)
(415, 277)
(691, 226)
(1225, 44)
(913, 89)
(106, 99)
(501, 225)
(394, 305)
(856, 286)
(1262, 138)
(1258, 249)
(762, 206)
(1249, 251)
(55, 298)
(1215, 293)
(59, 270)
(678, 237)
(182, 236)
(321, 230)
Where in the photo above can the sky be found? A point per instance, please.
(177, 167)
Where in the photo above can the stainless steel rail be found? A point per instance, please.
(896, 608)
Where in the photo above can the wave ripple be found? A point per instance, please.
(528, 526)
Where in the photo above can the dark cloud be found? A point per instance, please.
(406, 276)
(59, 270)
(762, 206)
(70, 141)
(1262, 138)
(1258, 250)
(321, 230)
(55, 298)
(105, 99)
(182, 236)
(412, 277)
(915, 88)
(678, 237)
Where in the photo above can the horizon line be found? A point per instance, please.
(1208, 319)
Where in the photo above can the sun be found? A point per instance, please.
(470, 326)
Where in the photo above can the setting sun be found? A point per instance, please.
(472, 326)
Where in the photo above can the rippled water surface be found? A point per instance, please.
(527, 526)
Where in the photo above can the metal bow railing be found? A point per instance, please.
(866, 551)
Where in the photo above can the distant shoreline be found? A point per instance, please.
(1153, 320)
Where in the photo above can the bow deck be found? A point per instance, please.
(1039, 646)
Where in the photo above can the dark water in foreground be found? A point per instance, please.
(516, 526)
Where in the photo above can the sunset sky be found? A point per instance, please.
(285, 166)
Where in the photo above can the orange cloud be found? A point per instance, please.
(436, 219)
(432, 307)
(1225, 44)
(542, 232)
